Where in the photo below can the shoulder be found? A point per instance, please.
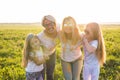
(94, 43)
(40, 34)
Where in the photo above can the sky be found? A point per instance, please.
(83, 11)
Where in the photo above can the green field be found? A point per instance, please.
(12, 38)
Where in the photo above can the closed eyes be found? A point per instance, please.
(68, 25)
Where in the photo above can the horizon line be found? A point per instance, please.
(57, 23)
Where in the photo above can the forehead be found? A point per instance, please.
(34, 38)
(46, 20)
(68, 21)
(92, 27)
(88, 29)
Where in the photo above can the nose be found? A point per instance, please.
(49, 26)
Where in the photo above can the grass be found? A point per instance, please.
(12, 38)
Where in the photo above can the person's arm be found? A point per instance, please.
(79, 43)
(90, 48)
(36, 60)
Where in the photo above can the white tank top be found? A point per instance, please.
(32, 67)
(71, 55)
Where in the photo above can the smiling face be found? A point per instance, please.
(35, 43)
(88, 33)
(49, 26)
(68, 26)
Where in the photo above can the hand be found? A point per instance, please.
(46, 57)
(51, 48)
(39, 61)
(82, 35)
(84, 41)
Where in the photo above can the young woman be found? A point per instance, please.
(71, 57)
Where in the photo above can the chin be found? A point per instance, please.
(51, 31)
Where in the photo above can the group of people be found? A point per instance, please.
(39, 53)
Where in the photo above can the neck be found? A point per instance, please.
(46, 32)
(68, 35)
(52, 35)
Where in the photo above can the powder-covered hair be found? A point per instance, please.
(48, 17)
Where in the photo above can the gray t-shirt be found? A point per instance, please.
(48, 42)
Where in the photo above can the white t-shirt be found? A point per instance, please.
(48, 42)
(31, 66)
(70, 55)
(90, 58)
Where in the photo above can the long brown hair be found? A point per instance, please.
(26, 50)
(97, 34)
(75, 31)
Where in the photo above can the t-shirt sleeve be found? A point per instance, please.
(94, 43)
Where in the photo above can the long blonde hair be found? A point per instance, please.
(97, 35)
(75, 31)
(27, 48)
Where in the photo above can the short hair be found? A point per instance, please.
(50, 18)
